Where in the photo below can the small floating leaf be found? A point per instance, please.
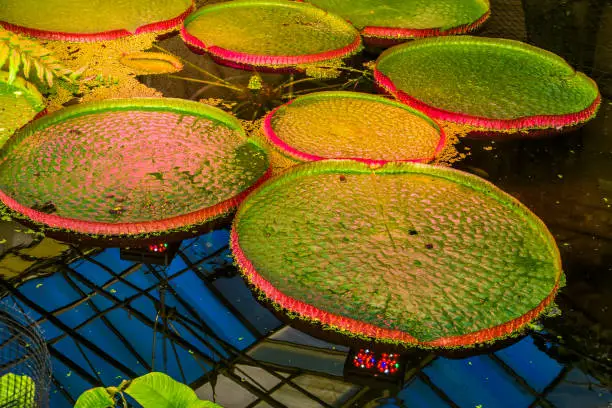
(152, 62)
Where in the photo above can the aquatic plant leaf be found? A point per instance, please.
(19, 103)
(4, 52)
(491, 84)
(158, 390)
(130, 166)
(401, 253)
(340, 125)
(84, 20)
(22, 53)
(405, 19)
(152, 62)
(272, 34)
(14, 63)
(95, 398)
(17, 391)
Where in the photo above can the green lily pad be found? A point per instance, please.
(129, 167)
(403, 253)
(269, 33)
(20, 101)
(489, 84)
(407, 19)
(84, 20)
(337, 125)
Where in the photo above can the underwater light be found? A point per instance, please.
(373, 367)
(154, 254)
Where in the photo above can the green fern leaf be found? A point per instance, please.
(25, 60)
(14, 63)
(4, 53)
(49, 77)
(40, 71)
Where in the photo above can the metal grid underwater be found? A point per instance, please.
(25, 369)
(106, 319)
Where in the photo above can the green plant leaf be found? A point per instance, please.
(25, 59)
(157, 390)
(17, 390)
(95, 398)
(4, 53)
(14, 62)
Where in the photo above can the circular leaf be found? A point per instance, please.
(336, 125)
(490, 84)
(403, 253)
(275, 34)
(406, 19)
(129, 167)
(84, 20)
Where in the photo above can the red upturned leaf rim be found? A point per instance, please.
(288, 150)
(355, 327)
(243, 60)
(556, 122)
(374, 33)
(159, 26)
(142, 227)
(396, 33)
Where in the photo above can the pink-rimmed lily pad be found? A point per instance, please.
(404, 253)
(84, 20)
(385, 22)
(129, 169)
(491, 86)
(269, 34)
(352, 125)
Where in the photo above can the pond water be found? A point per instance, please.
(107, 319)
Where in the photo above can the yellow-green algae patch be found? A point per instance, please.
(428, 251)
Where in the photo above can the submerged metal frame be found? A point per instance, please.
(197, 327)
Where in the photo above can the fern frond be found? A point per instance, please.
(22, 53)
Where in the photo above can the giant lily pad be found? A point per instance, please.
(488, 84)
(399, 20)
(271, 34)
(85, 20)
(129, 168)
(20, 102)
(403, 253)
(352, 125)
